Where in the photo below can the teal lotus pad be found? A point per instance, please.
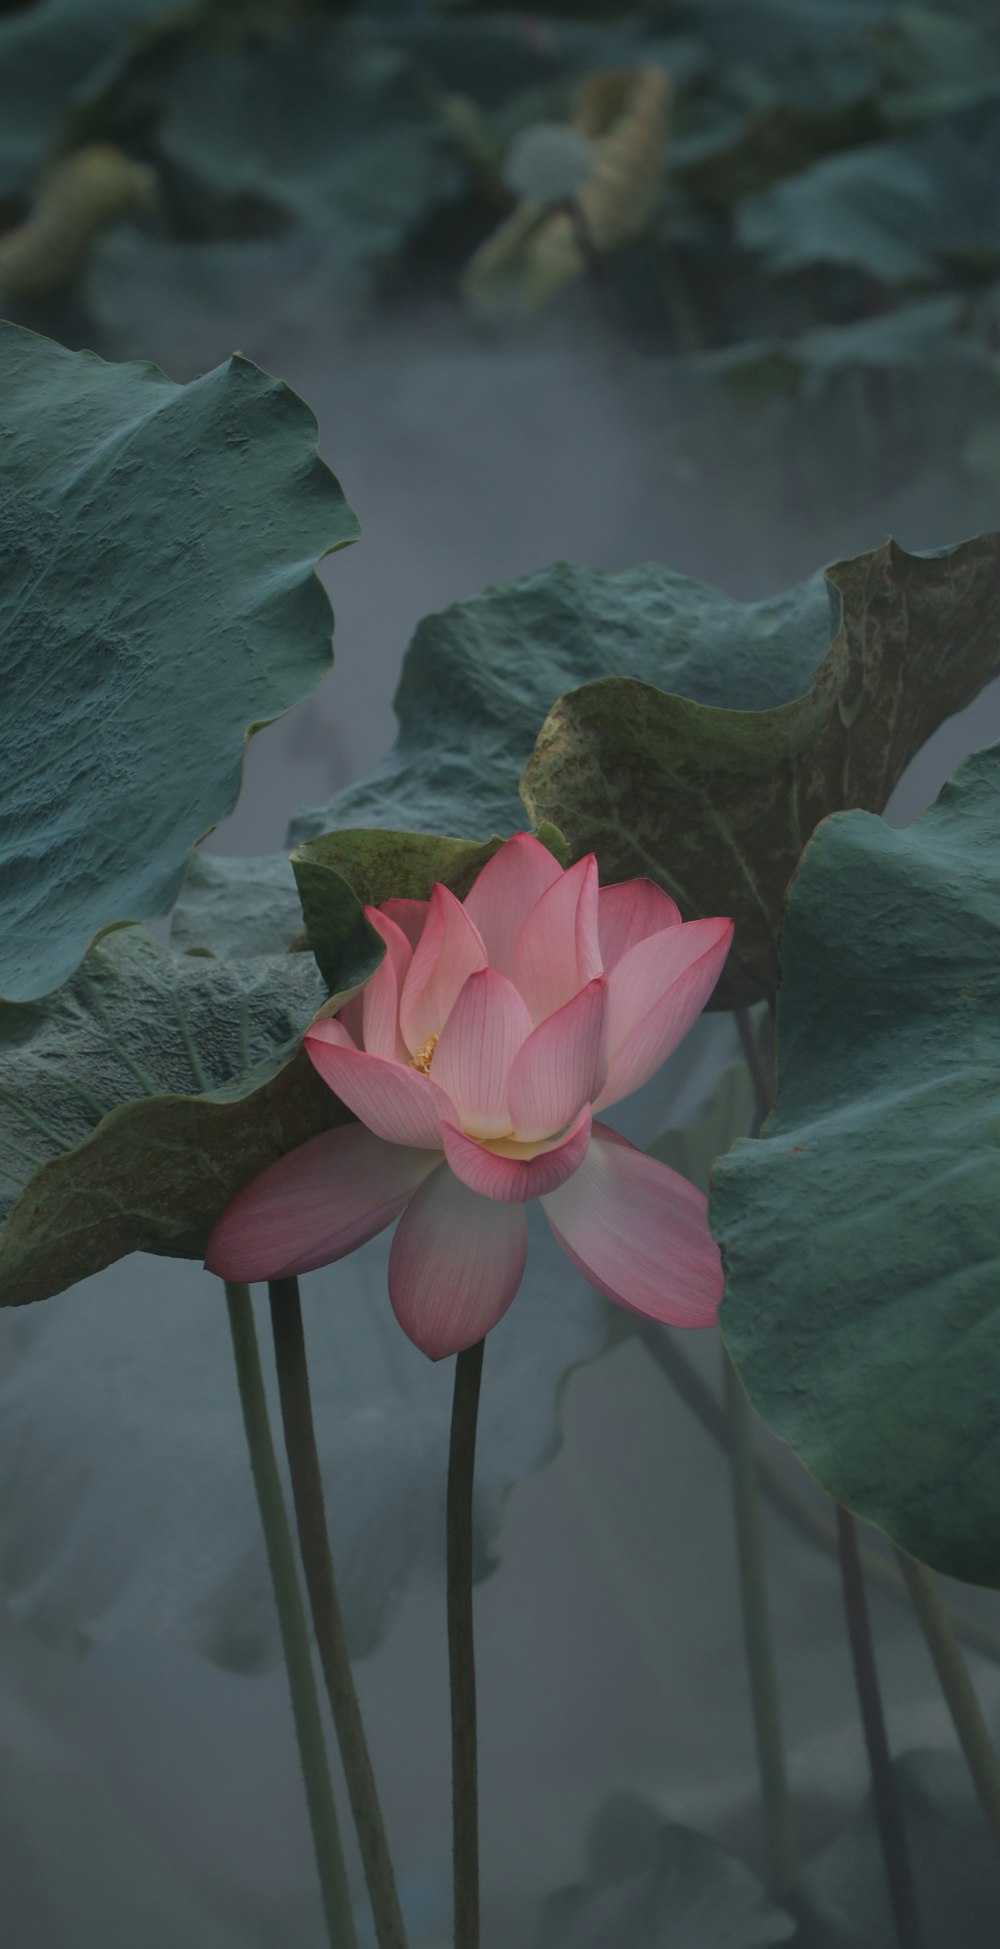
(479, 678)
(861, 1232)
(136, 1101)
(158, 602)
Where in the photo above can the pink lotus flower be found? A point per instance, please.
(475, 1058)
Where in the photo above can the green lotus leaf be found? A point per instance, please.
(138, 1099)
(479, 678)
(904, 212)
(652, 1882)
(55, 56)
(237, 908)
(717, 805)
(158, 603)
(861, 1231)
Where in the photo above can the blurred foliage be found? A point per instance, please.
(825, 163)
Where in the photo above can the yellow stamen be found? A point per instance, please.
(423, 1057)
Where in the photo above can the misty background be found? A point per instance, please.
(147, 1794)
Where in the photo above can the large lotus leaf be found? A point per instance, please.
(479, 678)
(138, 1099)
(841, 1894)
(53, 57)
(902, 211)
(326, 117)
(126, 1504)
(650, 1882)
(717, 805)
(237, 907)
(158, 601)
(861, 1232)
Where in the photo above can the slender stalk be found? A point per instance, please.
(461, 1651)
(757, 1637)
(750, 1556)
(763, 1082)
(888, 1812)
(314, 1543)
(974, 1739)
(292, 1622)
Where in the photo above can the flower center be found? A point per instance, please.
(422, 1058)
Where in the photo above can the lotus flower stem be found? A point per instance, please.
(292, 1621)
(942, 1643)
(783, 1495)
(750, 1556)
(888, 1812)
(461, 1654)
(314, 1543)
(763, 1081)
(757, 1636)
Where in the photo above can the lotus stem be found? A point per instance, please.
(750, 1557)
(757, 1636)
(784, 1497)
(888, 1812)
(461, 1647)
(314, 1544)
(292, 1622)
(970, 1726)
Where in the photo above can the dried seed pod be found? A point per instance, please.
(624, 115)
(75, 200)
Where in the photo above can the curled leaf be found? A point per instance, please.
(75, 200)
(717, 805)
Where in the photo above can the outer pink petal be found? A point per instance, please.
(654, 994)
(639, 1232)
(380, 995)
(503, 894)
(479, 1041)
(397, 1103)
(557, 950)
(410, 915)
(628, 912)
(315, 1204)
(512, 1179)
(561, 1066)
(448, 951)
(455, 1265)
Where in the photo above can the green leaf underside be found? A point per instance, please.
(129, 693)
(479, 678)
(717, 805)
(861, 1234)
(140, 1098)
(340, 872)
(653, 1883)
